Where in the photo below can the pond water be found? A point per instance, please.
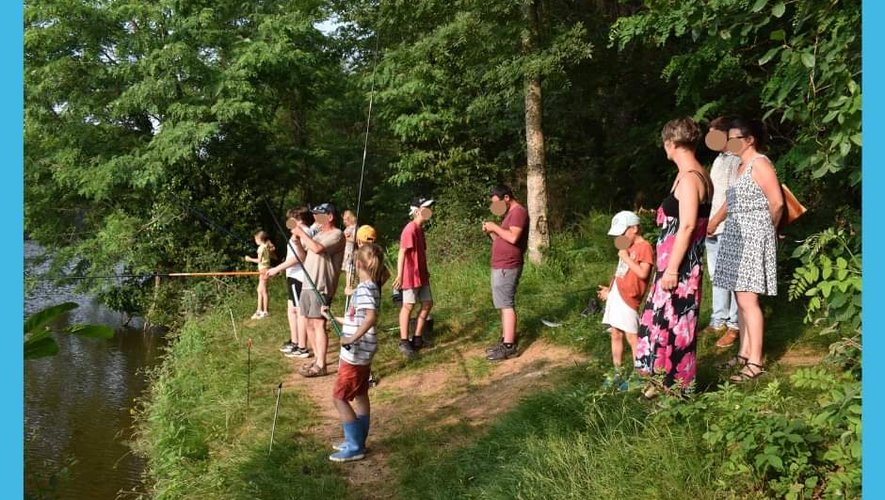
(78, 403)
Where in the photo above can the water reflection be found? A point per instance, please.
(78, 403)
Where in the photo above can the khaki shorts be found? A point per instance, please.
(310, 305)
(504, 283)
(413, 295)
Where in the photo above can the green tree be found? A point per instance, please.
(796, 64)
(453, 82)
(149, 126)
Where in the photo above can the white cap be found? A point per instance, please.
(621, 221)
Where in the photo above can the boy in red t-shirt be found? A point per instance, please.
(627, 288)
(412, 276)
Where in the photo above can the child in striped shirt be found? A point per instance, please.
(358, 346)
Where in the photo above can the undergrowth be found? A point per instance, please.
(794, 433)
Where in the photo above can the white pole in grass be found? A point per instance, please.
(276, 411)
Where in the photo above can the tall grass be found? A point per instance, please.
(201, 438)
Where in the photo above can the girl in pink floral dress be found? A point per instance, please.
(667, 342)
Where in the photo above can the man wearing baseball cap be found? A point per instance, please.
(325, 253)
(413, 277)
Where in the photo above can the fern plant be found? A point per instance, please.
(830, 278)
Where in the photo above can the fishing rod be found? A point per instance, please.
(351, 266)
(310, 280)
(145, 276)
(208, 220)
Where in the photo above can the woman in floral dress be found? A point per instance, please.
(667, 342)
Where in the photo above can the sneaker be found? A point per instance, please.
(502, 352)
(405, 347)
(612, 379)
(418, 343)
(288, 347)
(495, 347)
(299, 352)
(257, 315)
(264, 314)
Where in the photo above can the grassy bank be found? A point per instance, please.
(200, 436)
(795, 431)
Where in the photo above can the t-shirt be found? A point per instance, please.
(506, 255)
(415, 274)
(296, 271)
(366, 296)
(263, 257)
(723, 174)
(325, 267)
(630, 286)
(348, 249)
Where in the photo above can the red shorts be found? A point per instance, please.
(353, 381)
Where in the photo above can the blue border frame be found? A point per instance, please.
(873, 312)
(11, 196)
(12, 201)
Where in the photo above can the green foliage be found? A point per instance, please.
(829, 278)
(38, 341)
(796, 64)
(792, 442)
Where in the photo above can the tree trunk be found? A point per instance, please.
(536, 180)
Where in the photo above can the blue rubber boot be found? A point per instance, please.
(364, 422)
(352, 450)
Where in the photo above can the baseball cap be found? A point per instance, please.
(419, 202)
(621, 221)
(366, 234)
(325, 208)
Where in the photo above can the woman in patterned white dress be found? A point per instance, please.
(747, 256)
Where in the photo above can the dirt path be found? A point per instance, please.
(464, 389)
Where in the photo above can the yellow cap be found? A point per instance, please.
(366, 234)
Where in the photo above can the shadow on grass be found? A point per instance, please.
(506, 459)
(296, 468)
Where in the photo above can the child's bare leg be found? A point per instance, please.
(632, 339)
(361, 404)
(405, 314)
(263, 293)
(292, 316)
(344, 410)
(617, 346)
(304, 339)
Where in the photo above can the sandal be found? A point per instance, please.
(314, 371)
(735, 361)
(749, 372)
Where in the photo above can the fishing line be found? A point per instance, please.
(351, 266)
